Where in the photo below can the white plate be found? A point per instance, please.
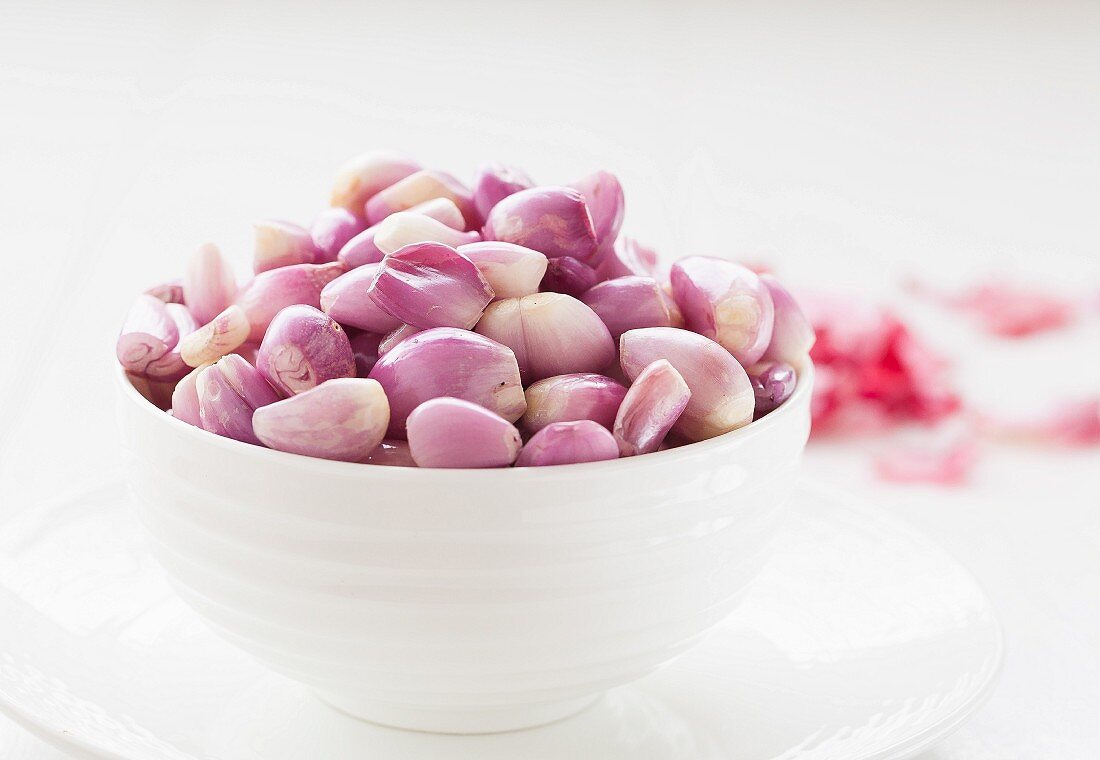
(859, 640)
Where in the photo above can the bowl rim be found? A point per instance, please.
(800, 397)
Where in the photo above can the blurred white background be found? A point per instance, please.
(846, 143)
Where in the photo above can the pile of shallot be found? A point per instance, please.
(421, 322)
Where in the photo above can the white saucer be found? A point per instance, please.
(860, 640)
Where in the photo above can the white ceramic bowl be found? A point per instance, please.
(461, 601)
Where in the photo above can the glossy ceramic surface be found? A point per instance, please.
(859, 640)
(461, 601)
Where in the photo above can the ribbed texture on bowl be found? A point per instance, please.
(461, 600)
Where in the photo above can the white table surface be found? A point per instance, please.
(847, 143)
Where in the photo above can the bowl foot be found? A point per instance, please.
(457, 720)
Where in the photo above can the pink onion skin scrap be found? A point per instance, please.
(494, 182)
(772, 383)
(185, 398)
(568, 398)
(627, 257)
(332, 229)
(511, 270)
(342, 419)
(347, 300)
(651, 407)
(391, 453)
(280, 244)
(446, 361)
(453, 433)
(168, 292)
(1007, 309)
(627, 303)
(792, 334)
(552, 220)
(222, 335)
(208, 283)
(367, 175)
(603, 194)
(431, 285)
(725, 302)
(550, 334)
(567, 275)
(228, 392)
(270, 292)
(303, 348)
(873, 364)
(1071, 422)
(722, 398)
(568, 443)
(417, 188)
(944, 455)
(364, 349)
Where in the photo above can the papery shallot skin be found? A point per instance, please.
(550, 334)
(280, 244)
(494, 182)
(722, 398)
(366, 175)
(565, 274)
(208, 283)
(270, 292)
(792, 335)
(347, 300)
(417, 188)
(772, 383)
(651, 407)
(511, 270)
(551, 220)
(303, 348)
(342, 419)
(725, 302)
(627, 303)
(222, 335)
(332, 229)
(568, 398)
(453, 433)
(446, 361)
(568, 443)
(430, 285)
(228, 392)
(603, 194)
